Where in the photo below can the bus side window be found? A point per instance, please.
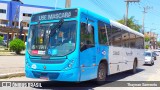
(103, 33)
(116, 36)
(139, 42)
(87, 37)
(132, 40)
(125, 39)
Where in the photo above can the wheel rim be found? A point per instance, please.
(101, 73)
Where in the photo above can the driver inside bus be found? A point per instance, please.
(60, 37)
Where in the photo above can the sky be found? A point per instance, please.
(113, 9)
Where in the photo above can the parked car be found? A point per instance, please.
(149, 58)
(155, 55)
(157, 52)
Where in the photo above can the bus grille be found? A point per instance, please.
(49, 75)
(48, 61)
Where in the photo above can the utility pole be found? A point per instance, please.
(127, 6)
(126, 18)
(55, 4)
(68, 4)
(144, 12)
(152, 36)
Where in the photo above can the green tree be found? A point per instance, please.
(17, 45)
(158, 43)
(147, 46)
(131, 23)
(147, 39)
(1, 39)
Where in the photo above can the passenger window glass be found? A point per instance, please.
(132, 40)
(87, 36)
(125, 38)
(102, 33)
(109, 33)
(116, 37)
(139, 42)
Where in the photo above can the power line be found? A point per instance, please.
(141, 5)
(153, 2)
(105, 3)
(155, 12)
(144, 12)
(102, 5)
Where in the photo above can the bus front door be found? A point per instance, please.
(87, 49)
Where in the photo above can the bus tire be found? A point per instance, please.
(134, 70)
(101, 74)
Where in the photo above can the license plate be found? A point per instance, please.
(45, 78)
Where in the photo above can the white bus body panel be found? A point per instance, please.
(122, 59)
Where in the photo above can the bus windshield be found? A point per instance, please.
(61, 43)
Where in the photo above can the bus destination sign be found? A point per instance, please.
(55, 15)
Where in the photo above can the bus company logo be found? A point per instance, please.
(104, 52)
(6, 84)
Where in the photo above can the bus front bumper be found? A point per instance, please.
(71, 75)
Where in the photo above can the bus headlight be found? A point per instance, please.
(69, 66)
(27, 65)
(34, 66)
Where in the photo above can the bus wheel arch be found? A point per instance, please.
(102, 71)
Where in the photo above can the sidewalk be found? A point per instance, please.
(11, 66)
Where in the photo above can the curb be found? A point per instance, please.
(9, 75)
(11, 54)
(7, 55)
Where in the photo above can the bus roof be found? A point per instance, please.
(112, 23)
(121, 26)
(102, 18)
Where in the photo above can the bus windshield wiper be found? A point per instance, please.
(53, 32)
(57, 26)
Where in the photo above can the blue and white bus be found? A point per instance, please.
(78, 45)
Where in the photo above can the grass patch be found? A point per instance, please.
(4, 51)
(1, 46)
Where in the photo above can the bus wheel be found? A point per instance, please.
(134, 67)
(101, 74)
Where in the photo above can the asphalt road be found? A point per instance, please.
(145, 73)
